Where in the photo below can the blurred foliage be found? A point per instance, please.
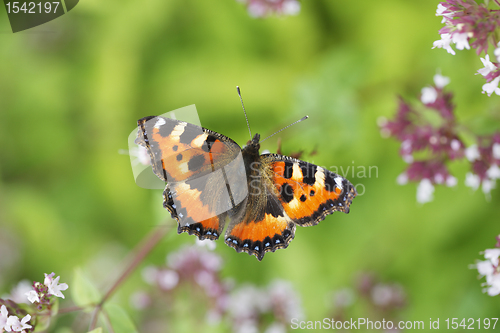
(72, 90)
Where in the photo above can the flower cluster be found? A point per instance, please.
(263, 8)
(383, 300)
(491, 72)
(432, 133)
(468, 24)
(490, 268)
(13, 314)
(10, 320)
(485, 160)
(41, 292)
(196, 270)
(250, 306)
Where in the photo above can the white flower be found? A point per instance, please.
(142, 155)
(492, 255)
(492, 87)
(291, 7)
(441, 81)
(495, 280)
(256, 9)
(485, 268)
(406, 145)
(444, 43)
(497, 52)
(439, 178)
(472, 180)
(440, 12)
(210, 261)
(407, 158)
(53, 284)
(489, 269)
(472, 153)
(494, 290)
(18, 292)
(455, 144)
(33, 296)
(168, 279)
(451, 181)
(496, 151)
(461, 40)
(402, 179)
(16, 325)
(493, 172)
(487, 186)
(429, 95)
(425, 191)
(494, 284)
(247, 301)
(488, 66)
(4, 315)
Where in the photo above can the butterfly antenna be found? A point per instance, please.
(244, 111)
(284, 128)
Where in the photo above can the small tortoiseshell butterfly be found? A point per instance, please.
(210, 179)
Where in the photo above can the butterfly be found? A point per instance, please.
(210, 180)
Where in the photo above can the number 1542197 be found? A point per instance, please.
(471, 323)
(31, 7)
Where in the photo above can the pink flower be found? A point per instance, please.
(466, 21)
(263, 8)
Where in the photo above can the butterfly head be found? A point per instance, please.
(255, 142)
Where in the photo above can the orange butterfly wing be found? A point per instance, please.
(202, 169)
(295, 193)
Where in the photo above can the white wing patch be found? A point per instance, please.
(160, 122)
(338, 180)
(178, 130)
(199, 140)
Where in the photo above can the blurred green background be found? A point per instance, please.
(72, 90)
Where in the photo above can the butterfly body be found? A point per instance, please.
(211, 180)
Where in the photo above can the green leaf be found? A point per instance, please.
(96, 330)
(84, 293)
(120, 321)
